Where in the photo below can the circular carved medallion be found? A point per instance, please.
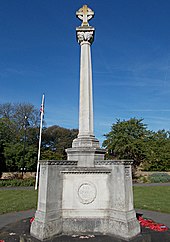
(87, 193)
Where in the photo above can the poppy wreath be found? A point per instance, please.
(148, 223)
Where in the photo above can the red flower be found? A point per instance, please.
(31, 220)
(148, 223)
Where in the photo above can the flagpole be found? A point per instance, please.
(39, 147)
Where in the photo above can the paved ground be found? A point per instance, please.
(16, 226)
(8, 218)
(156, 216)
(19, 232)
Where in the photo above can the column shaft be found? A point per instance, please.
(86, 96)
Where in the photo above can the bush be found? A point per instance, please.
(142, 179)
(159, 177)
(17, 183)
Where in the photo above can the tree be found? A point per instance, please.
(8, 134)
(25, 114)
(14, 156)
(19, 113)
(157, 151)
(57, 139)
(126, 140)
(6, 110)
(18, 136)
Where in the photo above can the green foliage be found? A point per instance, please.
(159, 177)
(19, 134)
(31, 158)
(17, 183)
(132, 140)
(157, 151)
(55, 140)
(13, 154)
(142, 179)
(126, 140)
(51, 155)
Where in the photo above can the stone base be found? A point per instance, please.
(85, 156)
(126, 229)
(45, 229)
(85, 150)
(85, 141)
(110, 226)
(106, 226)
(89, 200)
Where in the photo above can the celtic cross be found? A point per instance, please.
(85, 14)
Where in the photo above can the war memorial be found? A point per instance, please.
(85, 194)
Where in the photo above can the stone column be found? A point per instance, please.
(86, 138)
(85, 39)
(85, 148)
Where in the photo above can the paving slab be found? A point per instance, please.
(158, 217)
(14, 217)
(19, 232)
(8, 218)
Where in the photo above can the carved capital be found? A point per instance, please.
(85, 37)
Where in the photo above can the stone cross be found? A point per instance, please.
(85, 14)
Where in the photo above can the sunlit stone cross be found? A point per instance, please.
(85, 148)
(85, 14)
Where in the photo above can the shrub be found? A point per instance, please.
(159, 177)
(17, 183)
(143, 179)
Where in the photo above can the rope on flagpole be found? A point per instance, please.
(39, 147)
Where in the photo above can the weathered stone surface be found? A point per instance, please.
(85, 148)
(48, 217)
(126, 229)
(85, 156)
(43, 229)
(85, 199)
(110, 226)
(85, 194)
(85, 225)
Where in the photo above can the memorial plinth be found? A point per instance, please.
(85, 194)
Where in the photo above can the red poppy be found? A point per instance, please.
(31, 220)
(148, 223)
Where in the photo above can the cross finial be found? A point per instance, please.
(85, 14)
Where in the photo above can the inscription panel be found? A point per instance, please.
(87, 192)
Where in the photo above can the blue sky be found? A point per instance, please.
(130, 56)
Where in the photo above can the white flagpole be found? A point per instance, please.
(39, 148)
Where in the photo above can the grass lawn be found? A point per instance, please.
(150, 198)
(11, 200)
(153, 198)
